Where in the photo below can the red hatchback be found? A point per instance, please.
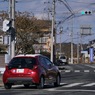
(31, 69)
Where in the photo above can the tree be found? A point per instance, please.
(28, 29)
(25, 33)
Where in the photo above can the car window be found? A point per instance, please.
(42, 60)
(22, 62)
(48, 62)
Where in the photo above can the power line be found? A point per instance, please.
(23, 1)
(80, 2)
(67, 6)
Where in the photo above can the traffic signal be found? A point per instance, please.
(6, 25)
(86, 12)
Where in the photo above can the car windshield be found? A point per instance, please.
(22, 62)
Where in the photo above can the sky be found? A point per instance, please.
(41, 9)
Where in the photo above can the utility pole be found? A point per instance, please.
(61, 30)
(9, 36)
(78, 50)
(13, 25)
(11, 50)
(72, 43)
(53, 30)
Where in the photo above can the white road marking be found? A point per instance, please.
(62, 83)
(86, 71)
(77, 71)
(76, 90)
(67, 71)
(90, 84)
(72, 85)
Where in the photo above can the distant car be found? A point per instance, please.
(62, 60)
(31, 69)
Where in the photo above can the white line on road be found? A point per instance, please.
(72, 90)
(77, 71)
(62, 83)
(86, 71)
(73, 84)
(90, 84)
(67, 71)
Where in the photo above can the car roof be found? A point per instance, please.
(28, 55)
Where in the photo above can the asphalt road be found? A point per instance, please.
(77, 79)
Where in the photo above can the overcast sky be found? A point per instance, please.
(40, 9)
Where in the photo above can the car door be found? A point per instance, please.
(44, 67)
(51, 69)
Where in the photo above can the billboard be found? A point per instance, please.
(85, 30)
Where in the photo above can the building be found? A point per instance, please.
(43, 41)
(1, 39)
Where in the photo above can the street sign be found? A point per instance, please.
(84, 52)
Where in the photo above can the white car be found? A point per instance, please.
(63, 59)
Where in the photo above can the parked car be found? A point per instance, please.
(31, 69)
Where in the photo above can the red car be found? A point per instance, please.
(31, 69)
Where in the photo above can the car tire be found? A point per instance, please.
(41, 83)
(7, 86)
(58, 80)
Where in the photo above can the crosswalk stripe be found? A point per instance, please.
(77, 71)
(67, 71)
(86, 71)
(73, 84)
(90, 84)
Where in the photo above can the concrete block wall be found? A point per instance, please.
(2, 60)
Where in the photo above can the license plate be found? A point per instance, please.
(20, 71)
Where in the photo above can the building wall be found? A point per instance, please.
(1, 39)
(2, 60)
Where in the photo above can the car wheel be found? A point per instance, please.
(58, 79)
(7, 86)
(26, 85)
(41, 84)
